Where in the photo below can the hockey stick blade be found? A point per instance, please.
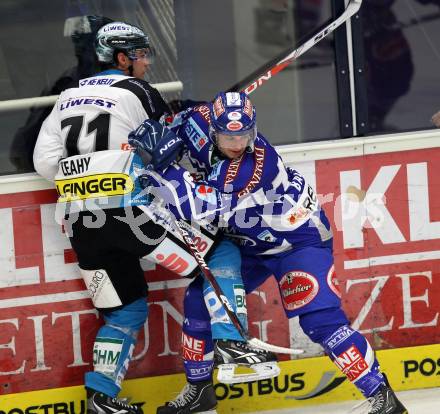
(181, 225)
(258, 343)
(269, 70)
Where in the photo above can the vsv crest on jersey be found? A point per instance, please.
(216, 170)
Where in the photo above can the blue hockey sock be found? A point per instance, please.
(353, 355)
(197, 350)
(347, 348)
(114, 346)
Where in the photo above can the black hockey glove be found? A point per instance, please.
(179, 105)
(156, 144)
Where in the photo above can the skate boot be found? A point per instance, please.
(229, 354)
(386, 402)
(198, 397)
(99, 403)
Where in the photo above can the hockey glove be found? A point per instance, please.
(161, 144)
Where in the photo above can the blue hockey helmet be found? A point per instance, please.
(233, 114)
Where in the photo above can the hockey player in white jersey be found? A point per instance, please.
(93, 118)
(79, 147)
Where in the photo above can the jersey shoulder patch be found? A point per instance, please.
(149, 97)
(204, 112)
(196, 131)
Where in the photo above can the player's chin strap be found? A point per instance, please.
(257, 343)
(130, 68)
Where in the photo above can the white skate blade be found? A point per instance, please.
(226, 373)
(363, 407)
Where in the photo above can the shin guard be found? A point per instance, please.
(114, 346)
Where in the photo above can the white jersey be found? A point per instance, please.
(79, 146)
(96, 116)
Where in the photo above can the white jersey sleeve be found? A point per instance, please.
(49, 148)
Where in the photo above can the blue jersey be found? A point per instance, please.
(261, 202)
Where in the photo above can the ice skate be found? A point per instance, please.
(228, 355)
(198, 397)
(99, 403)
(383, 402)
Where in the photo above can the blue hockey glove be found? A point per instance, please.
(161, 144)
(146, 135)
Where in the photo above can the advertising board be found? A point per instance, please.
(385, 215)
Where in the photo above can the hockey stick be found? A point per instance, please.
(182, 225)
(270, 69)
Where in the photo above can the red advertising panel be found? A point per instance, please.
(385, 213)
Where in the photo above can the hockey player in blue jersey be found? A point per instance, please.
(243, 185)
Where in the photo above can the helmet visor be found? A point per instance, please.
(234, 140)
(142, 53)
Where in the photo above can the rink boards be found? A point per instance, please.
(306, 382)
(382, 194)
